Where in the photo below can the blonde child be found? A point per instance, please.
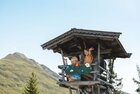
(74, 76)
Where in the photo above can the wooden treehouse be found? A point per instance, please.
(72, 43)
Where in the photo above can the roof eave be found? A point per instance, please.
(77, 32)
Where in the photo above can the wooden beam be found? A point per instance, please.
(63, 76)
(61, 41)
(76, 84)
(106, 51)
(105, 82)
(114, 43)
(61, 66)
(99, 53)
(95, 36)
(70, 90)
(98, 88)
(72, 54)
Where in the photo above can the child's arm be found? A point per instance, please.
(90, 49)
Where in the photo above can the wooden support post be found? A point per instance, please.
(99, 56)
(96, 68)
(107, 75)
(78, 91)
(98, 87)
(92, 89)
(70, 90)
(63, 76)
(62, 57)
(99, 51)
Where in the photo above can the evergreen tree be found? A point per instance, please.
(117, 83)
(31, 87)
(136, 81)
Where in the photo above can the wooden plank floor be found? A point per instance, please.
(76, 84)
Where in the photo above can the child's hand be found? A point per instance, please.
(90, 49)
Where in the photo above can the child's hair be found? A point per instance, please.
(74, 58)
(86, 49)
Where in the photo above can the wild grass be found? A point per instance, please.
(15, 72)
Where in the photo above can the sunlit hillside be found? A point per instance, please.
(15, 70)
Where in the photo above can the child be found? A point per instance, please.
(88, 58)
(74, 69)
(74, 61)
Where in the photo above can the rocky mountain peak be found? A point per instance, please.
(15, 55)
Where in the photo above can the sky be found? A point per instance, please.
(26, 24)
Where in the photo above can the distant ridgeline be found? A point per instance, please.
(15, 70)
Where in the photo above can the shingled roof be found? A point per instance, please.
(75, 40)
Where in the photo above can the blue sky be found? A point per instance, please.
(26, 24)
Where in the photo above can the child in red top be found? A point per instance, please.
(88, 58)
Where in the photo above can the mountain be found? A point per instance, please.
(15, 70)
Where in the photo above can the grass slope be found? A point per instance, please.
(15, 70)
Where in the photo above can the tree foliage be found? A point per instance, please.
(116, 82)
(136, 81)
(31, 87)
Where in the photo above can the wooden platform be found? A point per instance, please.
(76, 84)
